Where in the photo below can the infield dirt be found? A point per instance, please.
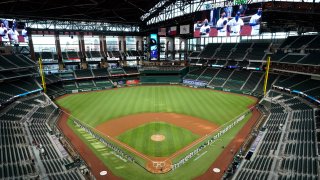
(118, 126)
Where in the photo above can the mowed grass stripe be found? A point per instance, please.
(170, 140)
(158, 146)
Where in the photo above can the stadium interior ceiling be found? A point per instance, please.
(124, 11)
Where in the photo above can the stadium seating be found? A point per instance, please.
(165, 79)
(85, 73)
(70, 85)
(194, 54)
(114, 54)
(133, 53)
(27, 150)
(237, 80)
(271, 80)
(314, 44)
(302, 41)
(240, 52)
(73, 55)
(102, 72)
(208, 74)
(289, 41)
(301, 83)
(116, 71)
(64, 55)
(85, 84)
(15, 88)
(311, 59)
(13, 74)
(160, 69)
(257, 51)
(194, 74)
(232, 51)
(255, 64)
(103, 83)
(224, 51)
(290, 81)
(277, 56)
(50, 79)
(221, 77)
(193, 61)
(209, 50)
(252, 81)
(131, 70)
(9, 62)
(297, 157)
(202, 61)
(55, 90)
(66, 75)
(96, 54)
(45, 55)
(292, 58)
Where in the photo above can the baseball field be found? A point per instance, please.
(155, 122)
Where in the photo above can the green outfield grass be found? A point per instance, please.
(95, 108)
(175, 138)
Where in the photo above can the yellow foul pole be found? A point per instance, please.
(266, 77)
(43, 79)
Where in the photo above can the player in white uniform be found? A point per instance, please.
(255, 23)
(14, 35)
(24, 33)
(222, 25)
(235, 24)
(205, 29)
(4, 32)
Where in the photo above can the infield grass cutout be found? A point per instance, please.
(175, 138)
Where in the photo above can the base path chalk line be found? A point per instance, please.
(190, 146)
(200, 155)
(113, 139)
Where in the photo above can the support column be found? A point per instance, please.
(82, 52)
(122, 47)
(143, 51)
(186, 51)
(103, 51)
(183, 41)
(33, 56)
(170, 47)
(58, 48)
(139, 47)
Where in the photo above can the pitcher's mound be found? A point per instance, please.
(158, 137)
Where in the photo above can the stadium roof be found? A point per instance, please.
(112, 11)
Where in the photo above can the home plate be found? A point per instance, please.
(216, 170)
(103, 173)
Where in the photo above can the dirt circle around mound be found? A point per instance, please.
(158, 137)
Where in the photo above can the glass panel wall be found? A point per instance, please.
(92, 48)
(44, 47)
(112, 43)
